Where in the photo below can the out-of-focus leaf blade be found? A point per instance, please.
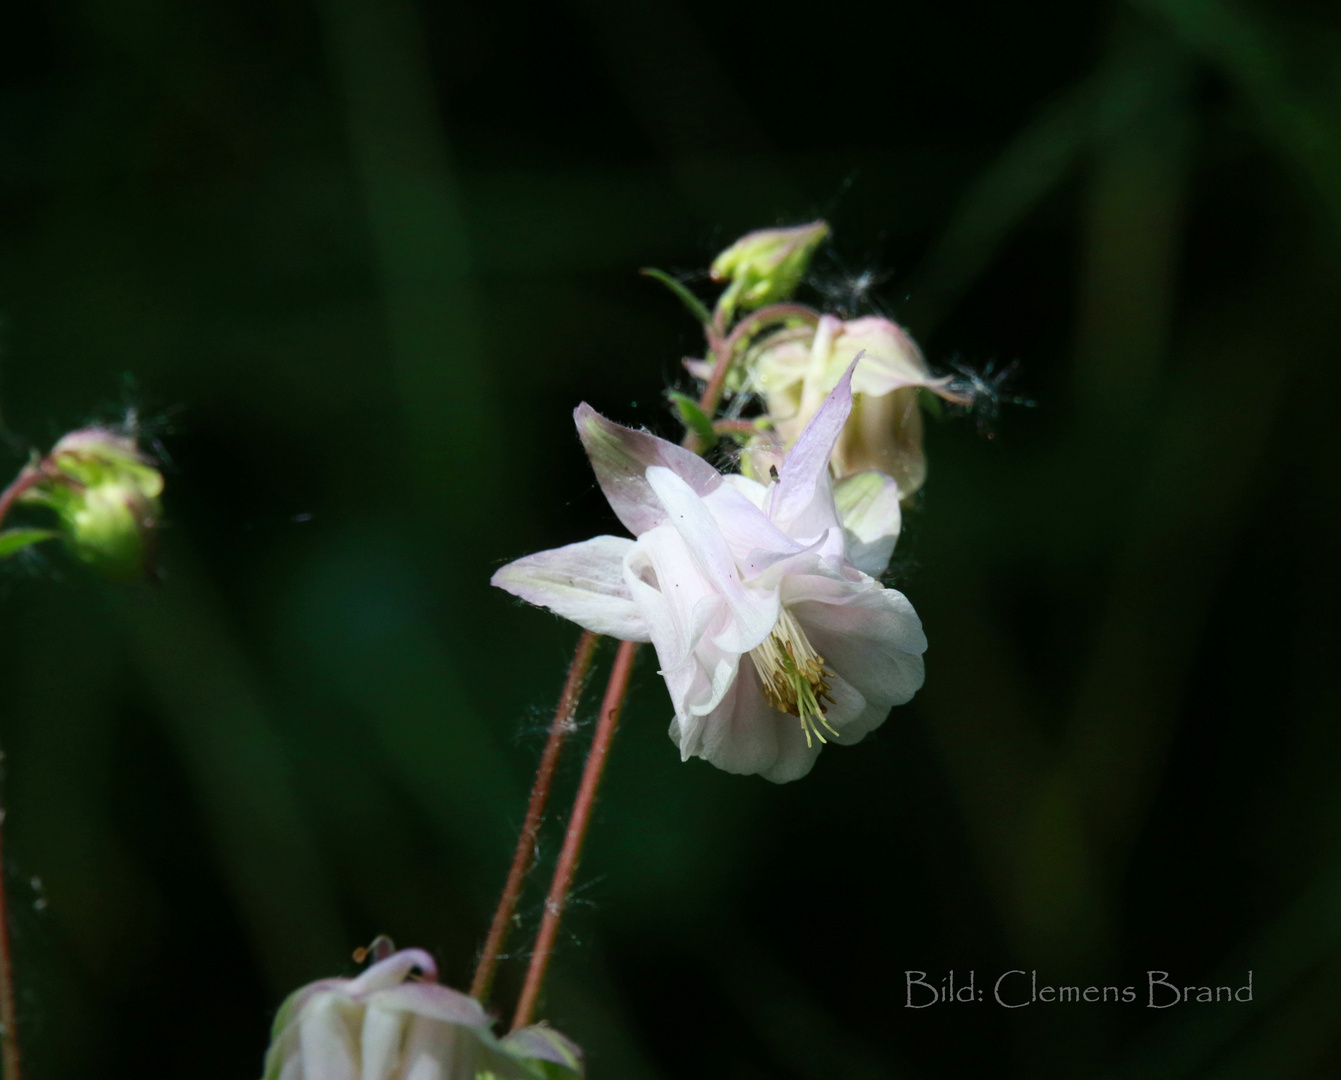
(696, 306)
(694, 418)
(12, 541)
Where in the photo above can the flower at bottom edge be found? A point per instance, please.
(396, 1022)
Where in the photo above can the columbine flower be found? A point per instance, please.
(385, 1026)
(771, 641)
(795, 371)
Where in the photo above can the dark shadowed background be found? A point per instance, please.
(354, 262)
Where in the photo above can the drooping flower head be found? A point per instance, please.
(395, 1022)
(796, 370)
(773, 640)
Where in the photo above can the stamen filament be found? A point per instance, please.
(793, 676)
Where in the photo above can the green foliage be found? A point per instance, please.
(12, 541)
(692, 303)
(693, 417)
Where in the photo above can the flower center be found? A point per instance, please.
(793, 676)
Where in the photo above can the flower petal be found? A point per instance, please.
(327, 1033)
(433, 1001)
(753, 612)
(581, 582)
(391, 971)
(801, 502)
(540, 1042)
(795, 758)
(383, 1030)
(746, 528)
(868, 506)
(741, 734)
(620, 458)
(868, 635)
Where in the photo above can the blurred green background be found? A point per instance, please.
(353, 262)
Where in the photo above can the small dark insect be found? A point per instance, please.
(773, 471)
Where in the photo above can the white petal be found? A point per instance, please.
(581, 582)
(383, 1031)
(870, 636)
(795, 759)
(391, 971)
(868, 507)
(746, 528)
(328, 1035)
(540, 1042)
(434, 1002)
(808, 462)
(620, 458)
(753, 613)
(741, 734)
(892, 358)
(751, 489)
(674, 597)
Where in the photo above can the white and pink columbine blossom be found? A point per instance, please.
(396, 1022)
(796, 369)
(771, 641)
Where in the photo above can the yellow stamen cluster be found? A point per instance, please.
(793, 676)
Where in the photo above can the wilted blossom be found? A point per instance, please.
(395, 1022)
(796, 369)
(771, 641)
(767, 265)
(105, 493)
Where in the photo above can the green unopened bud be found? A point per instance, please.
(766, 266)
(105, 493)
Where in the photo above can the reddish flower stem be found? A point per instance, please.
(722, 352)
(21, 483)
(535, 812)
(9, 1038)
(9, 1028)
(564, 872)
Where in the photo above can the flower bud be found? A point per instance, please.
(105, 493)
(767, 265)
(884, 431)
(395, 1020)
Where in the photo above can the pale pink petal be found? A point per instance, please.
(807, 464)
(434, 1002)
(583, 583)
(795, 759)
(540, 1042)
(746, 528)
(328, 1030)
(383, 1031)
(671, 591)
(870, 636)
(741, 734)
(620, 458)
(753, 613)
(751, 489)
(437, 1051)
(391, 972)
(868, 507)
